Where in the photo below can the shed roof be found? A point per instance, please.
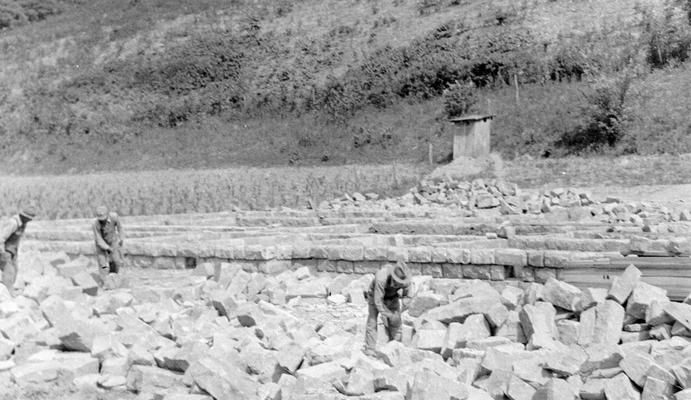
(471, 118)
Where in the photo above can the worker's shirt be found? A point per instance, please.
(107, 233)
(11, 231)
(383, 288)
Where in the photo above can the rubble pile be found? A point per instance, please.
(508, 199)
(219, 332)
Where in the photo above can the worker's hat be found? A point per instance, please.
(400, 274)
(101, 212)
(28, 213)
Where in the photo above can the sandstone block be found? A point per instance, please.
(290, 357)
(593, 389)
(642, 296)
(623, 285)
(511, 257)
(115, 366)
(482, 256)
(519, 390)
(222, 379)
(556, 389)
(84, 280)
(512, 329)
(223, 302)
(392, 380)
(680, 312)
(430, 339)
(601, 356)
(682, 373)
(601, 324)
(538, 323)
(562, 294)
(79, 335)
(655, 314)
(620, 387)
(636, 366)
(474, 327)
(427, 385)
(568, 331)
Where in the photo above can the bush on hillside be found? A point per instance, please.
(668, 38)
(603, 115)
(656, 114)
(459, 98)
(18, 12)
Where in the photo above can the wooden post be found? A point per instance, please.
(430, 155)
(515, 82)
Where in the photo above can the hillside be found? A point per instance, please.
(143, 84)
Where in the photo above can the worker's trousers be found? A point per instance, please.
(8, 266)
(393, 331)
(109, 261)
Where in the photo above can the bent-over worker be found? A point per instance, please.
(108, 235)
(390, 283)
(11, 232)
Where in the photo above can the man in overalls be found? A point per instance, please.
(390, 283)
(11, 232)
(108, 235)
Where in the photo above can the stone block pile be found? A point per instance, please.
(220, 332)
(581, 244)
(469, 195)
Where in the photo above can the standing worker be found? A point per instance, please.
(108, 235)
(11, 231)
(390, 283)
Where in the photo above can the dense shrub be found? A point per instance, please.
(602, 113)
(18, 12)
(668, 38)
(656, 113)
(459, 98)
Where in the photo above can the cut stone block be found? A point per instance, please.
(519, 390)
(680, 312)
(458, 310)
(621, 388)
(85, 281)
(636, 366)
(556, 389)
(222, 379)
(655, 314)
(562, 294)
(428, 385)
(641, 298)
(593, 389)
(474, 327)
(141, 378)
(538, 323)
(430, 339)
(623, 285)
(422, 302)
(601, 324)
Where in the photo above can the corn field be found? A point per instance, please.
(181, 191)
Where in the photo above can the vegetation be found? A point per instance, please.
(149, 84)
(171, 192)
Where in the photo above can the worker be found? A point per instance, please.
(108, 235)
(11, 231)
(390, 283)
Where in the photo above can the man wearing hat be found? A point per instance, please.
(11, 231)
(108, 235)
(390, 283)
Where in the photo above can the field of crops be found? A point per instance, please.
(172, 192)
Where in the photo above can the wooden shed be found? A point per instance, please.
(471, 138)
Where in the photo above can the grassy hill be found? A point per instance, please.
(150, 84)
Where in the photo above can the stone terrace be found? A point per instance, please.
(583, 246)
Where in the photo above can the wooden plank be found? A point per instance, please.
(677, 285)
(671, 263)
